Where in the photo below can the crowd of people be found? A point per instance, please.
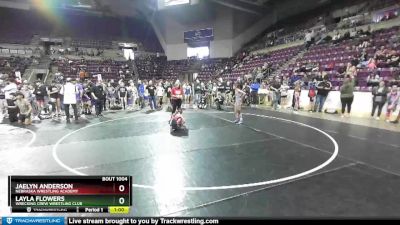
(86, 97)
(23, 102)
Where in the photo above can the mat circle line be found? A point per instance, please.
(255, 184)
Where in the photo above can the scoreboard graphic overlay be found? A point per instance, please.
(75, 194)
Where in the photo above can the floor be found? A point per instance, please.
(274, 165)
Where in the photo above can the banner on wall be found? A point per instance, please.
(202, 35)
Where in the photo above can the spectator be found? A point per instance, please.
(228, 92)
(346, 35)
(168, 89)
(197, 92)
(300, 68)
(363, 59)
(55, 101)
(146, 92)
(351, 70)
(188, 93)
(296, 97)
(312, 93)
(330, 66)
(3, 101)
(41, 93)
(393, 60)
(69, 91)
(110, 90)
(365, 44)
(24, 108)
(353, 33)
(12, 108)
(371, 64)
(123, 95)
(98, 94)
(323, 89)
(393, 101)
(346, 95)
(254, 92)
(134, 95)
(10, 88)
(380, 54)
(79, 96)
(379, 98)
(152, 95)
(87, 101)
(141, 91)
(160, 94)
(221, 87)
(239, 94)
(276, 94)
(308, 38)
(284, 91)
(373, 80)
(336, 38)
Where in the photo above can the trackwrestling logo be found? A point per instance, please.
(33, 220)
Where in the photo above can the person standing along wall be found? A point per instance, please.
(347, 95)
(379, 99)
(393, 102)
(296, 97)
(323, 89)
(312, 93)
(276, 94)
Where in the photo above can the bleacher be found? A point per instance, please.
(333, 59)
(107, 68)
(8, 65)
(212, 67)
(151, 66)
(250, 63)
